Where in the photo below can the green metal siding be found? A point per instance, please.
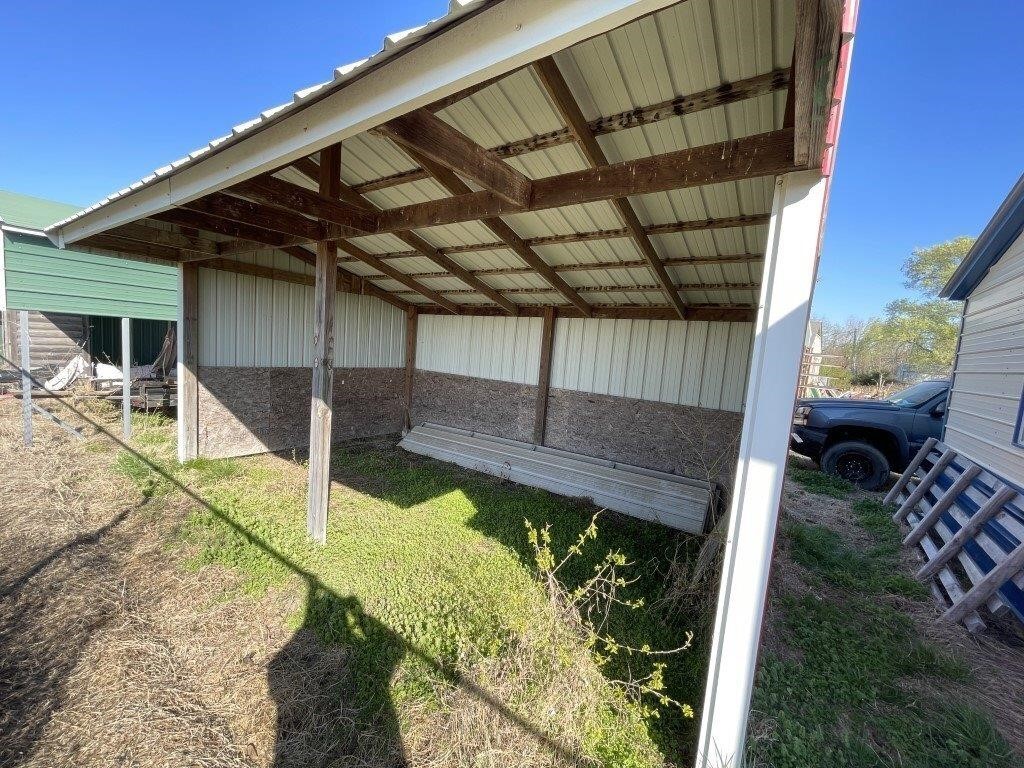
(43, 277)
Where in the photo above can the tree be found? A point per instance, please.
(929, 269)
(918, 334)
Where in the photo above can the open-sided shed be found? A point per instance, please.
(589, 225)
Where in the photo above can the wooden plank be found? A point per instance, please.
(944, 502)
(368, 258)
(599, 266)
(126, 377)
(766, 154)
(429, 135)
(815, 57)
(192, 245)
(188, 368)
(1002, 495)
(350, 220)
(926, 483)
(908, 473)
(456, 186)
(993, 580)
(711, 312)
(411, 323)
(547, 340)
(26, 378)
(131, 247)
(565, 102)
(321, 407)
(186, 218)
(258, 215)
(951, 584)
(641, 288)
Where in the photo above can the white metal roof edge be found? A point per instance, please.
(476, 41)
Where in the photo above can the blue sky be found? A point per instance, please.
(96, 95)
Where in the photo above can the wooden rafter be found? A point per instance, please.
(456, 186)
(350, 282)
(186, 218)
(558, 90)
(351, 220)
(187, 243)
(766, 154)
(253, 214)
(432, 137)
(815, 58)
(727, 93)
(421, 247)
(735, 313)
(369, 259)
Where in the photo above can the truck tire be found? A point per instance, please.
(860, 463)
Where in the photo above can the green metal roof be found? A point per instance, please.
(32, 212)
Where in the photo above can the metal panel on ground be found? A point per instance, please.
(672, 500)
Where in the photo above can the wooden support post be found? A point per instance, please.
(26, 378)
(126, 377)
(944, 502)
(188, 362)
(411, 323)
(908, 473)
(1000, 497)
(927, 482)
(322, 412)
(547, 339)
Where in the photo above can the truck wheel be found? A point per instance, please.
(862, 464)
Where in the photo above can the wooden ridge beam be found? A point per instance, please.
(456, 186)
(727, 93)
(766, 154)
(432, 137)
(558, 91)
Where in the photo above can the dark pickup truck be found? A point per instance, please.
(864, 440)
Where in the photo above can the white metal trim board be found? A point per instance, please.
(672, 500)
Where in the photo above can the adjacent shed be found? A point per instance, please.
(585, 225)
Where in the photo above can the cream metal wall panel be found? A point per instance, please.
(502, 348)
(687, 363)
(988, 381)
(252, 321)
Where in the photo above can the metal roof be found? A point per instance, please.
(1005, 227)
(27, 212)
(683, 49)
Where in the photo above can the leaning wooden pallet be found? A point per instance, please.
(969, 528)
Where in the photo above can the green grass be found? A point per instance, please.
(839, 694)
(818, 482)
(424, 566)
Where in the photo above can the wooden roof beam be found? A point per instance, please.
(736, 313)
(353, 283)
(420, 246)
(395, 274)
(558, 90)
(207, 223)
(456, 186)
(766, 154)
(815, 59)
(432, 137)
(597, 266)
(349, 220)
(613, 289)
(266, 217)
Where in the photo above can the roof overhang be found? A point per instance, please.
(474, 47)
(999, 234)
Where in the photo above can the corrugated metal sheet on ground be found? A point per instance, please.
(672, 500)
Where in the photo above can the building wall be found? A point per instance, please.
(40, 276)
(255, 359)
(54, 338)
(499, 348)
(989, 376)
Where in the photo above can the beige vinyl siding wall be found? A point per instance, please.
(701, 364)
(989, 375)
(252, 321)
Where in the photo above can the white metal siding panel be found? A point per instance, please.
(989, 376)
(688, 363)
(246, 321)
(503, 348)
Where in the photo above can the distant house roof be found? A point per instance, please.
(29, 212)
(1000, 233)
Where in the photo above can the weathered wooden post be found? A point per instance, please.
(126, 377)
(26, 378)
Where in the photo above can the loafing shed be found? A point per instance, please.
(586, 226)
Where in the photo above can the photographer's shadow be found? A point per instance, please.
(331, 684)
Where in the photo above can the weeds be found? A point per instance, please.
(820, 483)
